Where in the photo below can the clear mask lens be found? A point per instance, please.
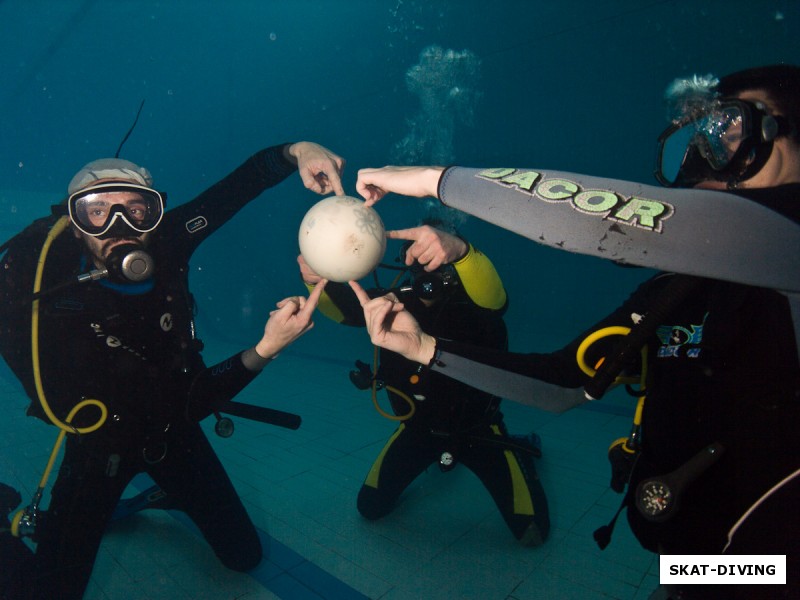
(719, 136)
(95, 210)
(673, 152)
(713, 137)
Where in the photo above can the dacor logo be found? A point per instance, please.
(642, 213)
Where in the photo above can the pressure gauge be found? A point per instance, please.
(655, 499)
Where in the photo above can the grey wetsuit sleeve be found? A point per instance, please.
(506, 384)
(697, 232)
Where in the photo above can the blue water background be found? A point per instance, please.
(570, 84)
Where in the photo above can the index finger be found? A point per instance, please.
(371, 193)
(403, 234)
(313, 299)
(335, 178)
(336, 183)
(361, 294)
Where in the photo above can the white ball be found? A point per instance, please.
(341, 239)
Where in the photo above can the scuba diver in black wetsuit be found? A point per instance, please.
(716, 463)
(114, 362)
(455, 291)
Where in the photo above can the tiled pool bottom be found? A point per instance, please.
(445, 540)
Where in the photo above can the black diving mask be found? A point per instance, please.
(429, 285)
(433, 285)
(110, 207)
(728, 140)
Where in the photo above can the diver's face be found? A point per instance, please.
(783, 165)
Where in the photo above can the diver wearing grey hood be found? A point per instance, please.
(124, 349)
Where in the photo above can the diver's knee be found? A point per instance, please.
(245, 559)
(371, 504)
(535, 533)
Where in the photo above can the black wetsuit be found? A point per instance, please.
(132, 346)
(453, 422)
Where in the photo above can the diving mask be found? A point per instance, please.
(728, 140)
(429, 285)
(95, 210)
(433, 285)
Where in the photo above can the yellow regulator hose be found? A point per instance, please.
(65, 426)
(637, 418)
(24, 521)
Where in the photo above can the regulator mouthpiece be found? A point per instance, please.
(128, 263)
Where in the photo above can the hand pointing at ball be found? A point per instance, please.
(319, 168)
(430, 247)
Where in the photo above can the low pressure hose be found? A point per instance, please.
(65, 426)
(24, 521)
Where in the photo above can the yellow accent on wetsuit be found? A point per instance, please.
(375, 471)
(523, 503)
(480, 279)
(326, 306)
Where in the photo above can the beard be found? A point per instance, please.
(106, 246)
(100, 249)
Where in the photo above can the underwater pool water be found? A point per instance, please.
(571, 85)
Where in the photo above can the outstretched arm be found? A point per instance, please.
(189, 224)
(503, 374)
(708, 233)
